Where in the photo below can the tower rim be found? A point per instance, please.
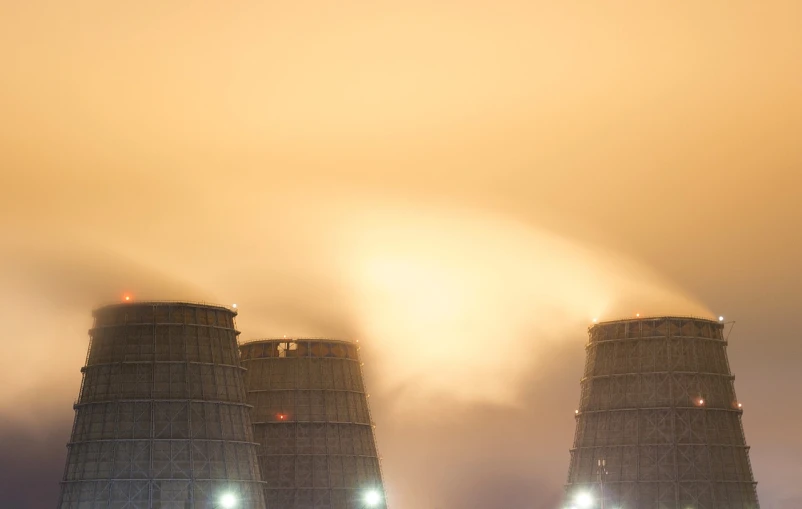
(658, 317)
(153, 303)
(268, 340)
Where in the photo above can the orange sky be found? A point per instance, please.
(425, 176)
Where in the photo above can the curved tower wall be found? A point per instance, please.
(658, 409)
(161, 419)
(311, 417)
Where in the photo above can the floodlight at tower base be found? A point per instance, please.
(373, 498)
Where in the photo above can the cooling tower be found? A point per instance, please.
(658, 425)
(311, 417)
(161, 420)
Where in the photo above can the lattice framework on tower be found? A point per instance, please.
(312, 419)
(161, 419)
(658, 407)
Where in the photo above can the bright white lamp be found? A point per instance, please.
(228, 500)
(372, 498)
(584, 500)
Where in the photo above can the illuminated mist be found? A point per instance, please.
(460, 186)
(455, 309)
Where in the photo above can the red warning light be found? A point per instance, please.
(127, 298)
(282, 417)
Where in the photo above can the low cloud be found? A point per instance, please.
(471, 324)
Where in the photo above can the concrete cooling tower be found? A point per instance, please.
(659, 425)
(161, 420)
(311, 419)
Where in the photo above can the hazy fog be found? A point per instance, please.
(462, 187)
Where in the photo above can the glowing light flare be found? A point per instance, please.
(740, 405)
(637, 315)
(228, 500)
(701, 402)
(126, 297)
(584, 500)
(720, 318)
(372, 498)
(282, 417)
(234, 306)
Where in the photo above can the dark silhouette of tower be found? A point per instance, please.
(161, 420)
(311, 417)
(658, 424)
